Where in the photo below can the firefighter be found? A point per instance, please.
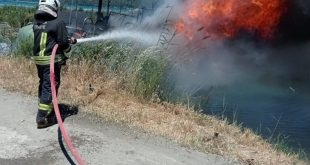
(48, 30)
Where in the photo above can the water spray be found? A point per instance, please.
(144, 37)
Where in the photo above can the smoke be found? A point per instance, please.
(220, 64)
(283, 60)
(145, 30)
(295, 23)
(212, 62)
(304, 6)
(167, 10)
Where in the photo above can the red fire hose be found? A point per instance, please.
(56, 108)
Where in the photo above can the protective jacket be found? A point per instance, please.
(49, 31)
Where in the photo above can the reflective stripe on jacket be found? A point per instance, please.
(49, 31)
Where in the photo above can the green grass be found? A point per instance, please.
(280, 143)
(147, 72)
(141, 70)
(11, 19)
(24, 47)
(16, 17)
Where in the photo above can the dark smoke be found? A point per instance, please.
(295, 24)
(283, 61)
(304, 5)
(291, 53)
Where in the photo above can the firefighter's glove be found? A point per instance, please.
(72, 40)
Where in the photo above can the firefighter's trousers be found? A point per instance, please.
(44, 91)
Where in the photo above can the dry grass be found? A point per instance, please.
(103, 95)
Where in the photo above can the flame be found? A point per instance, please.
(226, 18)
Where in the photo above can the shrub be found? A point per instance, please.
(7, 35)
(16, 16)
(24, 42)
(140, 69)
(24, 47)
(147, 71)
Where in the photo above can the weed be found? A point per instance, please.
(147, 71)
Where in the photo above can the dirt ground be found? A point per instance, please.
(98, 142)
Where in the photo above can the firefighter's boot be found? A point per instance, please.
(45, 119)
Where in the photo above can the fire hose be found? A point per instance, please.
(74, 152)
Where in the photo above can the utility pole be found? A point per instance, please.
(108, 8)
(99, 14)
(100, 17)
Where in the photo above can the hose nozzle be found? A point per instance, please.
(72, 40)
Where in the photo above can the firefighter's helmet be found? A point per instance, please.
(49, 6)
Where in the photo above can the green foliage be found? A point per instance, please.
(88, 51)
(16, 16)
(147, 72)
(110, 54)
(5, 32)
(280, 143)
(7, 36)
(24, 47)
(140, 69)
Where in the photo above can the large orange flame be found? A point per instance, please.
(226, 18)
